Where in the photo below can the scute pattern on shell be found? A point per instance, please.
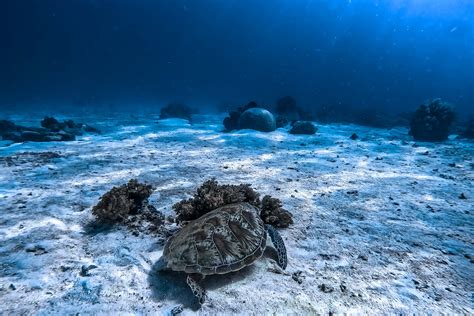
(224, 240)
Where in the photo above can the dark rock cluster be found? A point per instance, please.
(288, 111)
(7, 127)
(67, 126)
(231, 122)
(176, 110)
(50, 130)
(432, 121)
(211, 195)
(288, 108)
(303, 128)
(365, 116)
(38, 158)
(354, 136)
(251, 116)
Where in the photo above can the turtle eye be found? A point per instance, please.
(219, 230)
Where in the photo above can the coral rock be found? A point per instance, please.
(272, 212)
(432, 121)
(232, 121)
(7, 127)
(210, 195)
(51, 123)
(176, 110)
(286, 107)
(258, 119)
(117, 204)
(303, 127)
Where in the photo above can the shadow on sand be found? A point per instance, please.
(94, 227)
(171, 286)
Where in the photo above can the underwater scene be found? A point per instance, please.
(265, 157)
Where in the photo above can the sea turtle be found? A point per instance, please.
(224, 240)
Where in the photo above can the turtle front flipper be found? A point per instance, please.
(198, 290)
(279, 246)
(161, 265)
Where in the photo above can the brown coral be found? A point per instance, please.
(211, 195)
(272, 212)
(120, 202)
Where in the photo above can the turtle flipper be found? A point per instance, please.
(161, 265)
(279, 245)
(198, 290)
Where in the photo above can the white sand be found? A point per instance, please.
(378, 220)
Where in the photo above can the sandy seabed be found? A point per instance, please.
(382, 225)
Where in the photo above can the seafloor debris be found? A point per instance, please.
(303, 127)
(86, 268)
(37, 158)
(354, 136)
(36, 249)
(432, 121)
(211, 195)
(51, 130)
(176, 110)
(298, 276)
(325, 288)
(176, 310)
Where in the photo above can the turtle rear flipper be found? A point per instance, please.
(198, 290)
(279, 245)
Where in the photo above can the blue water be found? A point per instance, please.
(392, 54)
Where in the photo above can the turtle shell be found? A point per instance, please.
(221, 241)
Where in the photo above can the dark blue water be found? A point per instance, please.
(391, 54)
